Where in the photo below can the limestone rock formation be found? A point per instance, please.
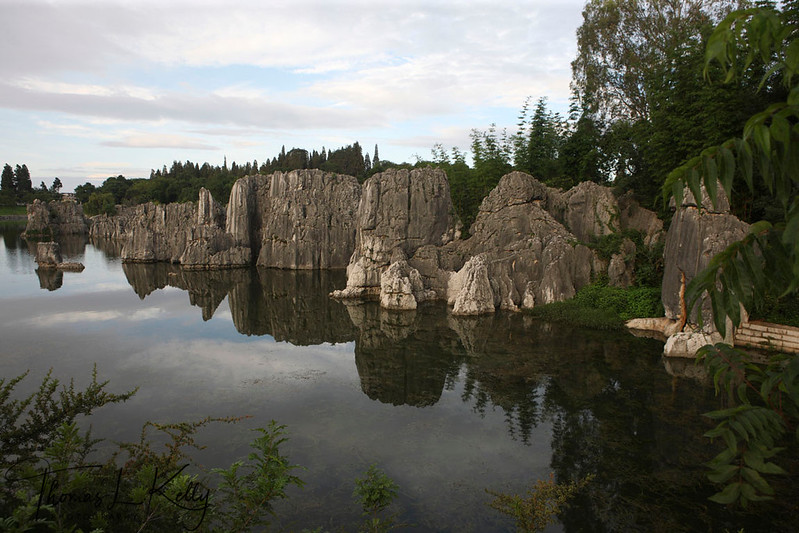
(208, 246)
(622, 265)
(309, 221)
(401, 287)
(48, 256)
(158, 232)
(470, 289)
(697, 233)
(531, 258)
(633, 216)
(399, 209)
(54, 219)
(592, 211)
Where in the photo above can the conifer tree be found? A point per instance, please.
(8, 182)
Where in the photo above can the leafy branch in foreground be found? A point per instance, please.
(30, 424)
(540, 507)
(765, 400)
(249, 495)
(375, 492)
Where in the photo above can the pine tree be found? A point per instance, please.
(8, 182)
(23, 178)
(376, 159)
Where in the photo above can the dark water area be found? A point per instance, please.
(447, 406)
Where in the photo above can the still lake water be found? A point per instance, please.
(446, 406)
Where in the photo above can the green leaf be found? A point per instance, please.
(728, 495)
(695, 186)
(726, 169)
(780, 129)
(723, 474)
(756, 480)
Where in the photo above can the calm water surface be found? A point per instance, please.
(446, 406)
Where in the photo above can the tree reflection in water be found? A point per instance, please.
(604, 400)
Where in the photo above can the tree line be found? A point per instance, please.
(181, 182)
(16, 187)
(641, 106)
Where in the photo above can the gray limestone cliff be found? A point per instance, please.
(526, 246)
(698, 231)
(309, 222)
(303, 219)
(55, 219)
(400, 210)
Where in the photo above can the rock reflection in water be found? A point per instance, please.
(50, 279)
(404, 357)
(112, 248)
(291, 306)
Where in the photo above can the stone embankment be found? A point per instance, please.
(766, 336)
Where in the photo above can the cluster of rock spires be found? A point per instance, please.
(398, 237)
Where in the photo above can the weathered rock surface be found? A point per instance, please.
(48, 256)
(54, 219)
(401, 287)
(521, 252)
(158, 232)
(304, 219)
(592, 211)
(470, 290)
(696, 234)
(687, 343)
(310, 220)
(208, 246)
(399, 209)
(530, 257)
(633, 216)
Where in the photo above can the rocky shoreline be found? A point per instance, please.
(401, 243)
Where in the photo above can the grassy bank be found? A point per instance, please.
(13, 210)
(601, 306)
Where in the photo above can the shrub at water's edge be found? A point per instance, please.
(601, 306)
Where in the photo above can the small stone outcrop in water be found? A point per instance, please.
(54, 219)
(401, 287)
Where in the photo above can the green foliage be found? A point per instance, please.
(763, 265)
(767, 406)
(100, 203)
(375, 492)
(250, 488)
(635, 302)
(600, 306)
(540, 506)
(48, 485)
(29, 424)
(779, 310)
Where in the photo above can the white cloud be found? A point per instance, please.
(188, 75)
(156, 140)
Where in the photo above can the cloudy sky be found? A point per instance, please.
(91, 89)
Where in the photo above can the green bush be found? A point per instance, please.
(600, 306)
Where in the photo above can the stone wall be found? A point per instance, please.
(757, 334)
